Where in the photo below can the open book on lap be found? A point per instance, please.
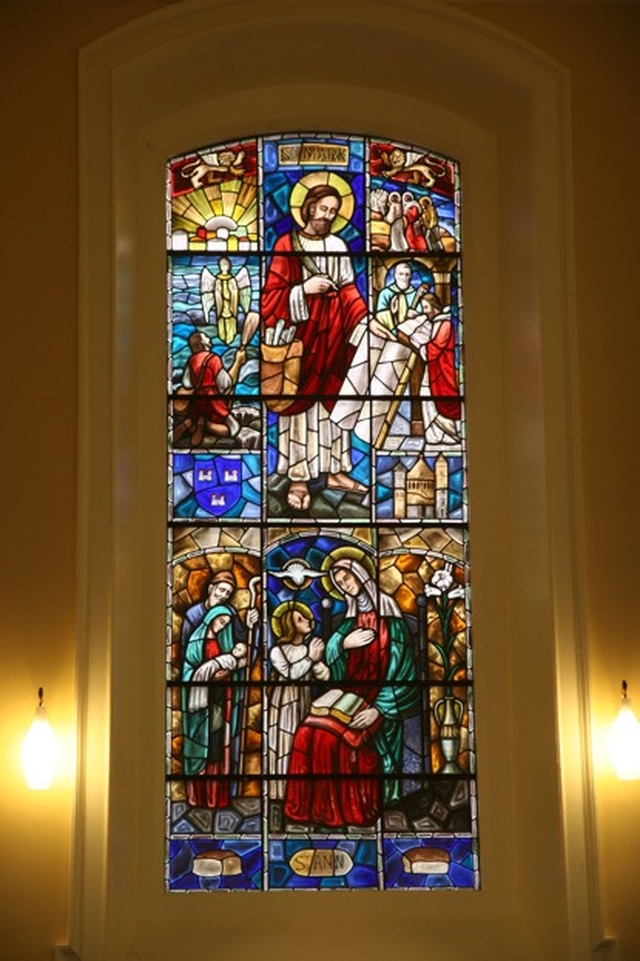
(334, 711)
(336, 703)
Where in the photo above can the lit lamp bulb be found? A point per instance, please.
(624, 741)
(39, 750)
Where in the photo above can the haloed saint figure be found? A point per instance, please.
(313, 296)
(368, 655)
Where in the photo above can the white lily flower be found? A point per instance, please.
(458, 591)
(442, 580)
(431, 591)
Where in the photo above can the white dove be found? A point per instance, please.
(297, 571)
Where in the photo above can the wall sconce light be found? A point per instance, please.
(39, 750)
(624, 741)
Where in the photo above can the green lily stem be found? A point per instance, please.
(445, 611)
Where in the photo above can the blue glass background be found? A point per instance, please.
(181, 854)
(363, 874)
(187, 315)
(279, 181)
(384, 488)
(460, 874)
(185, 504)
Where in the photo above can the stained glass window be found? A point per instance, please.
(320, 725)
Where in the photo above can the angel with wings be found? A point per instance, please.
(228, 293)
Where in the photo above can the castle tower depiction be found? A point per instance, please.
(442, 485)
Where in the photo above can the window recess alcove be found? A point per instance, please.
(199, 73)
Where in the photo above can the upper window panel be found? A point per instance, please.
(320, 724)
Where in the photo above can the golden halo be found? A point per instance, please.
(276, 617)
(354, 554)
(304, 185)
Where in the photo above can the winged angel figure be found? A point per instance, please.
(228, 293)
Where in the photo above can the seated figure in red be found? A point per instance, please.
(343, 772)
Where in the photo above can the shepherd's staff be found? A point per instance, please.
(254, 585)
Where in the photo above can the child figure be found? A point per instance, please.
(218, 668)
(212, 708)
(296, 660)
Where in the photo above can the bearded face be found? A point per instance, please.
(319, 226)
(323, 213)
(220, 591)
(403, 276)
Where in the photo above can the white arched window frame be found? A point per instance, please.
(208, 71)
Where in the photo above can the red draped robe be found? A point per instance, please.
(442, 371)
(326, 746)
(207, 401)
(326, 333)
(216, 793)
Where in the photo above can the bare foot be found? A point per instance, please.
(343, 482)
(298, 495)
(447, 426)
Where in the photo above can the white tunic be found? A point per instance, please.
(289, 704)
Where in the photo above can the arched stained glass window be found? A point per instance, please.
(320, 712)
